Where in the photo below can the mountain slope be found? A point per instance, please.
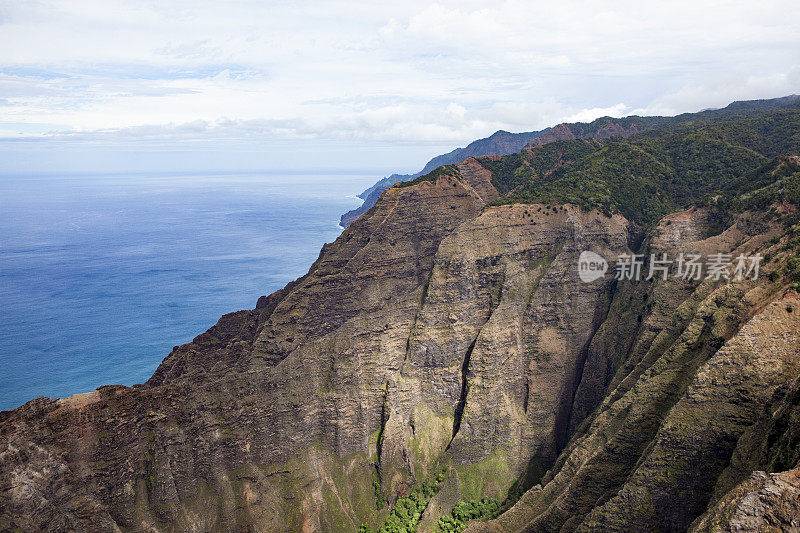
(444, 349)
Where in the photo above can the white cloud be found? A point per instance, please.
(445, 72)
(721, 90)
(587, 115)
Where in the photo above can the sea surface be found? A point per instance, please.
(101, 275)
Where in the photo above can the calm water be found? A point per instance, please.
(101, 275)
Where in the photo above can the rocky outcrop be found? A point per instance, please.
(602, 128)
(765, 502)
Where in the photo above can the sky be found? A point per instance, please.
(109, 85)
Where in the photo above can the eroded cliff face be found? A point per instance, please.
(704, 363)
(439, 331)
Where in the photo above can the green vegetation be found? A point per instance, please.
(663, 170)
(380, 503)
(792, 266)
(464, 511)
(407, 512)
(509, 172)
(776, 181)
(674, 163)
(433, 175)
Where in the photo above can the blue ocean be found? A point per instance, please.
(101, 275)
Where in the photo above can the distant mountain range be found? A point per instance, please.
(506, 143)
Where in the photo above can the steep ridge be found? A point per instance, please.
(449, 328)
(499, 143)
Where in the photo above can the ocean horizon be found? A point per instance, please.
(101, 274)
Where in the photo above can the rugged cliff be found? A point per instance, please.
(444, 349)
(499, 143)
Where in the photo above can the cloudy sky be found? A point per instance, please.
(328, 85)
